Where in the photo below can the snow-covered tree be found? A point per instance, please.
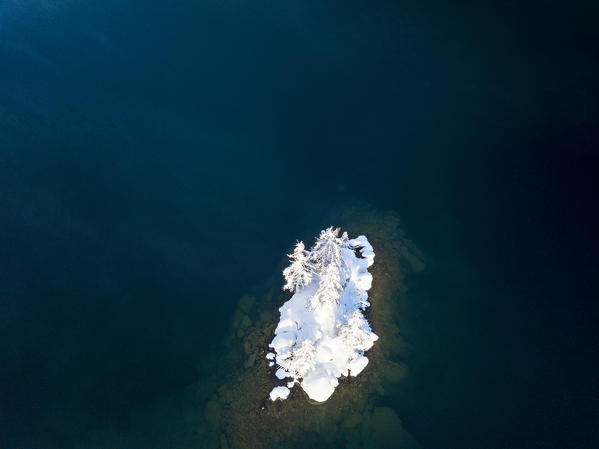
(326, 250)
(356, 332)
(301, 359)
(298, 274)
(328, 264)
(329, 286)
(344, 240)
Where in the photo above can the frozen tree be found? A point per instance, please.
(326, 250)
(344, 240)
(301, 359)
(355, 334)
(298, 274)
(329, 286)
(329, 265)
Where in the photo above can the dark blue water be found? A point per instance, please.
(157, 160)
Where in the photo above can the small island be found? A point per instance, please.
(322, 333)
(231, 408)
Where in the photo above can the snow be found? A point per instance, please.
(279, 393)
(357, 365)
(322, 333)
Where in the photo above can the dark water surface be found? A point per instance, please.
(158, 158)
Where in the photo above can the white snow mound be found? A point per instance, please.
(279, 393)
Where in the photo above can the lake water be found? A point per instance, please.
(158, 159)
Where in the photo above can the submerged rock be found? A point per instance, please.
(353, 420)
(212, 413)
(250, 361)
(245, 322)
(394, 372)
(384, 430)
(246, 302)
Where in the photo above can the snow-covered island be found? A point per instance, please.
(322, 333)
